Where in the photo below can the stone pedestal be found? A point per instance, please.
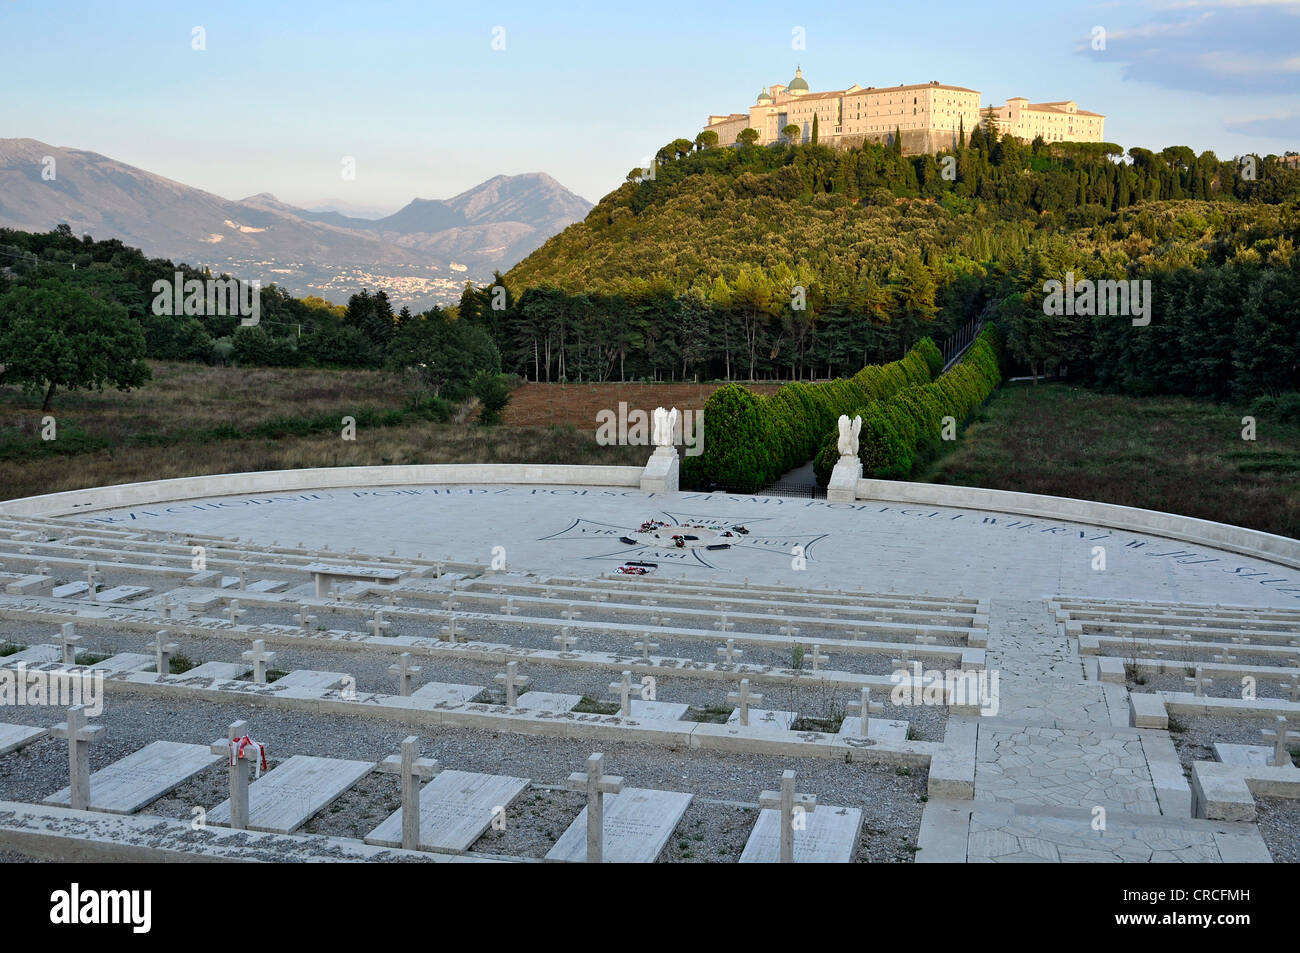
(843, 487)
(662, 471)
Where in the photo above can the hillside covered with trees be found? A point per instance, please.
(803, 261)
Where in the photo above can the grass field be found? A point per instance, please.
(1163, 453)
(193, 419)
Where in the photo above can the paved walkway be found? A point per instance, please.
(1060, 777)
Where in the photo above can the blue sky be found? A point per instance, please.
(416, 94)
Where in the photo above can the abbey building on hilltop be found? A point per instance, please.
(928, 116)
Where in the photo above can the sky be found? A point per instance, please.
(428, 99)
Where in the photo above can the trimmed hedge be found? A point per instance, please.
(752, 439)
(901, 428)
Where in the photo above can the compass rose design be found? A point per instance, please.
(683, 539)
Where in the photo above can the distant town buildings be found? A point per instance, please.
(927, 116)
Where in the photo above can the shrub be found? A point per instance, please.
(903, 430)
(753, 439)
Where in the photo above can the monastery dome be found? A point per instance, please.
(798, 84)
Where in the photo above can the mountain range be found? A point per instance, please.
(422, 254)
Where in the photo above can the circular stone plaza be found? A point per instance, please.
(595, 665)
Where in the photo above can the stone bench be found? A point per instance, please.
(1227, 792)
(323, 574)
(1147, 711)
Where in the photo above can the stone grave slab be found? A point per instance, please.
(29, 585)
(267, 585)
(455, 809)
(547, 701)
(13, 737)
(35, 654)
(662, 711)
(126, 662)
(308, 678)
(829, 837)
(765, 717)
(223, 670)
(295, 791)
(638, 823)
(71, 589)
(878, 729)
(1246, 756)
(228, 582)
(203, 601)
(141, 778)
(121, 593)
(447, 692)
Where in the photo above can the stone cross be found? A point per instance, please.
(724, 625)
(903, 661)
(80, 736)
(624, 689)
(92, 578)
(449, 630)
(548, 593)
(260, 658)
(743, 699)
(926, 640)
(789, 629)
(649, 602)
(657, 618)
(1281, 756)
(594, 783)
(304, 618)
(450, 604)
(787, 801)
(163, 653)
(1199, 682)
(438, 568)
(565, 640)
(239, 769)
(377, 625)
(69, 643)
(645, 646)
(234, 611)
(730, 652)
(570, 613)
(411, 767)
(1224, 657)
(817, 657)
(1293, 686)
(165, 607)
(510, 608)
(865, 708)
(404, 670)
(243, 578)
(499, 590)
(513, 682)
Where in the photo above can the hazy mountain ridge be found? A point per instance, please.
(488, 227)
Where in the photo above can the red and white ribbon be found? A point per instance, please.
(239, 745)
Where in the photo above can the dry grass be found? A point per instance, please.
(193, 420)
(1172, 454)
(546, 405)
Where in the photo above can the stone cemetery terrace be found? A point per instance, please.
(524, 671)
